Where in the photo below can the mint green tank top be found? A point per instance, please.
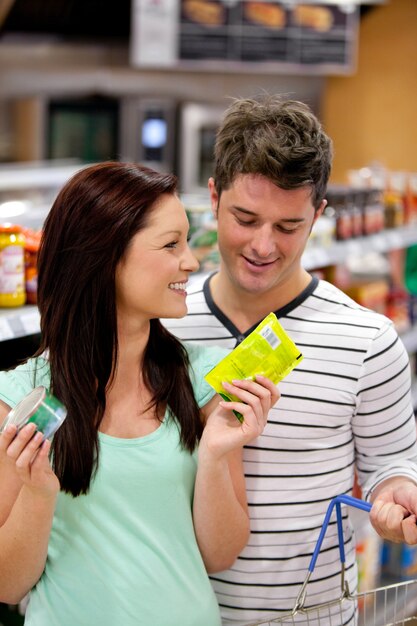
(126, 554)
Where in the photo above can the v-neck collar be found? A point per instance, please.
(227, 323)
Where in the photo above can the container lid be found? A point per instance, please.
(10, 228)
(25, 408)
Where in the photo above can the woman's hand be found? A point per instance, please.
(29, 489)
(26, 454)
(221, 519)
(223, 432)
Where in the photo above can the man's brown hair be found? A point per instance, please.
(273, 137)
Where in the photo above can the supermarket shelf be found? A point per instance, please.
(339, 251)
(23, 321)
(19, 322)
(38, 175)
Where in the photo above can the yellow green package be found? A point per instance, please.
(267, 351)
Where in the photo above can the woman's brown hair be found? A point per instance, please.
(85, 236)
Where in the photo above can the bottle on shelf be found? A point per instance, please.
(12, 266)
(32, 241)
(373, 211)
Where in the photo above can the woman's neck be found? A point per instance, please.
(132, 339)
(128, 402)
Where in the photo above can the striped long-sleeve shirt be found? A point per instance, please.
(346, 405)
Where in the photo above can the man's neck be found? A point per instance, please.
(246, 309)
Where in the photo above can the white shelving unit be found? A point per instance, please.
(18, 322)
(339, 251)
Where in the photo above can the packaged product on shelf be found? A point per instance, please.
(355, 208)
(372, 211)
(410, 269)
(372, 294)
(400, 561)
(338, 200)
(323, 232)
(393, 209)
(408, 562)
(32, 241)
(12, 267)
(412, 190)
(339, 275)
(391, 561)
(409, 201)
(397, 308)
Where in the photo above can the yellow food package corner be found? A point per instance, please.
(267, 351)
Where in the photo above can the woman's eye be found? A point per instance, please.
(172, 244)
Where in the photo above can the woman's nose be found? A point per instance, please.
(190, 262)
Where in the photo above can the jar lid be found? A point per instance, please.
(25, 408)
(10, 228)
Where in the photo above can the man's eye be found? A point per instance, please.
(287, 231)
(243, 223)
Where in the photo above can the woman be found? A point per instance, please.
(144, 492)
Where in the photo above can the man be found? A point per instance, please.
(346, 407)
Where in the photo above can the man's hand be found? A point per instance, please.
(394, 510)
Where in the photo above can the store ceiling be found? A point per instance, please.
(88, 20)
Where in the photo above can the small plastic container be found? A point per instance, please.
(40, 407)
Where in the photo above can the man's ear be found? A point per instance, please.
(214, 197)
(319, 211)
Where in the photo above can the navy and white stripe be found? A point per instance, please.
(347, 404)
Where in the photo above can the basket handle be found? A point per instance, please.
(336, 502)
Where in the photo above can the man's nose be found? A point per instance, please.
(263, 242)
